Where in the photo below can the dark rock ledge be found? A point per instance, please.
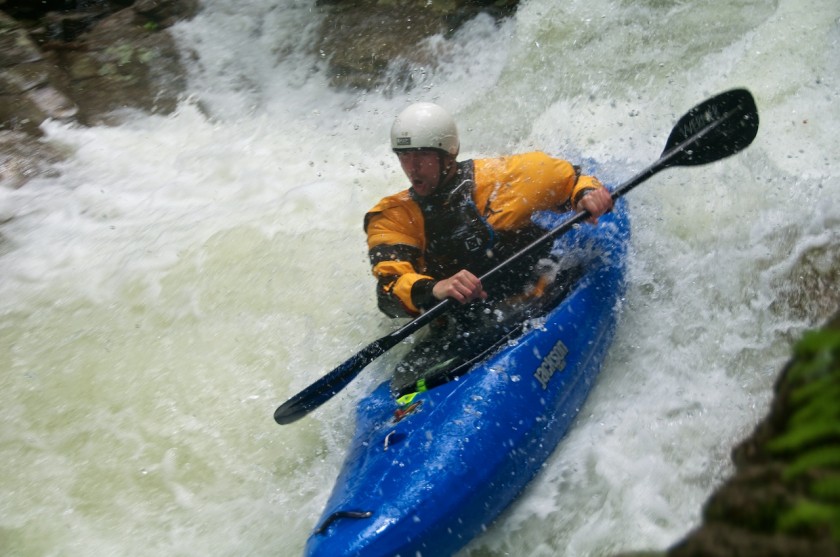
(81, 61)
(88, 62)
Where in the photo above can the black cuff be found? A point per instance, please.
(421, 293)
(581, 194)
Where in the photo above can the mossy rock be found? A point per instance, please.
(784, 498)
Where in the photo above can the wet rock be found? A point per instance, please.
(85, 61)
(166, 12)
(28, 90)
(360, 39)
(810, 287)
(23, 157)
(15, 45)
(61, 27)
(124, 63)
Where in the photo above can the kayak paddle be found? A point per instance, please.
(714, 129)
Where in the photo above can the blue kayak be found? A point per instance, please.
(425, 475)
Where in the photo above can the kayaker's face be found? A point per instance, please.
(423, 169)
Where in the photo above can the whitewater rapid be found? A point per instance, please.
(180, 276)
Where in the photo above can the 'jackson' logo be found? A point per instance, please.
(554, 362)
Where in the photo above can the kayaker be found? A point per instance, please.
(459, 219)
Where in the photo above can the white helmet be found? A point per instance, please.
(425, 126)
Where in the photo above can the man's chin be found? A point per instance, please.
(422, 190)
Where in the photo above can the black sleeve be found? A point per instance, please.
(421, 293)
(388, 303)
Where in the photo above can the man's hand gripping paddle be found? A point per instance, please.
(712, 130)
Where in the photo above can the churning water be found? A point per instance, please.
(183, 275)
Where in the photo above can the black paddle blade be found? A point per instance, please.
(717, 128)
(326, 387)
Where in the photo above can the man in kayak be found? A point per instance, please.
(460, 219)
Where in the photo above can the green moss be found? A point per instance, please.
(807, 433)
(823, 457)
(146, 56)
(106, 70)
(827, 489)
(809, 517)
(817, 355)
(809, 442)
(822, 403)
(121, 53)
(814, 388)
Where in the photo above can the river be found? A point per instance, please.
(177, 277)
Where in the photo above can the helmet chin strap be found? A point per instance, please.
(444, 168)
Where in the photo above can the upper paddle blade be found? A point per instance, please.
(724, 125)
